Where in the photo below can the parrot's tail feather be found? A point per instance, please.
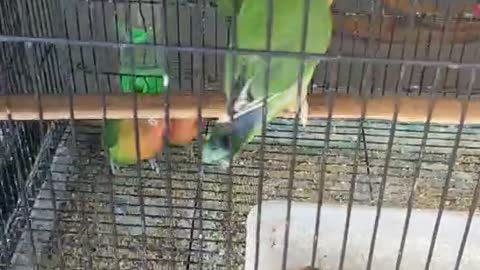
(304, 111)
(154, 165)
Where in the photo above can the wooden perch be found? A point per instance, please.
(54, 107)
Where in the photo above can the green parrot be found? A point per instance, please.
(247, 91)
(119, 134)
(149, 78)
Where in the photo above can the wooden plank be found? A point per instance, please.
(411, 109)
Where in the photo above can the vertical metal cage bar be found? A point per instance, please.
(55, 63)
(171, 239)
(18, 144)
(23, 197)
(376, 17)
(418, 166)
(216, 41)
(452, 44)
(200, 169)
(389, 51)
(197, 216)
(293, 160)
(81, 49)
(53, 199)
(138, 139)
(383, 183)
(23, 186)
(451, 165)
(87, 258)
(321, 181)
(411, 21)
(17, 180)
(111, 194)
(353, 180)
(92, 22)
(445, 21)
(50, 51)
(471, 212)
(178, 43)
(427, 50)
(261, 176)
(233, 45)
(462, 60)
(3, 237)
(106, 167)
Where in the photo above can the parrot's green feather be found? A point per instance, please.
(137, 36)
(150, 81)
(147, 80)
(247, 90)
(286, 36)
(110, 136)
(111, 128)
(227, 7)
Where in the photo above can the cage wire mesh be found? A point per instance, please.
(62, 209)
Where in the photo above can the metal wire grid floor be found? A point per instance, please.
(192, 224)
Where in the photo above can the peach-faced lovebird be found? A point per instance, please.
(153, 79)
(183, 131)
(119, 135)
(119, 138)
(246, 92)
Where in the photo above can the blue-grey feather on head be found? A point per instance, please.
(229, 137)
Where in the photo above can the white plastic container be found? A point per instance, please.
(332, 225)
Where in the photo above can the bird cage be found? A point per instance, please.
(384, 175)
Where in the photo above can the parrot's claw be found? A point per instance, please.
(121, 209)
(114, 168)
(154, 165)
(120, 206)
(191, 152)
(304, 113)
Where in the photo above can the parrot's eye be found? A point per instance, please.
(215, 144)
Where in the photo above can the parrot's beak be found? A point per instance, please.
(215, 156)
(223, 118)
